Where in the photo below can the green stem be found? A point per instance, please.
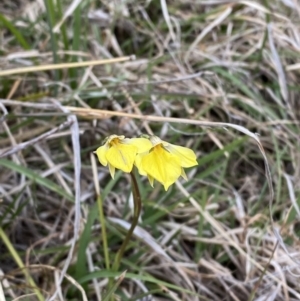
(20, 264)
(103, 230)
(50, 10)
(136, 213)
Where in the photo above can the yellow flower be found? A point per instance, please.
(164, 162)
(120, 152)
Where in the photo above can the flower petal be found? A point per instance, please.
(162, 166)
(121, 156)
(143, 144)
(138, 164)
(111, 170)
(183, 174)
(151, 180)
(101, 154)
(186, 156)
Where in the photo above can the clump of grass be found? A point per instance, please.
(214, 237)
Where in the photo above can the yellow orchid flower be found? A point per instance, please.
(120, 152)
(164, 162)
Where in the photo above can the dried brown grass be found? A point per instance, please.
(212, 239)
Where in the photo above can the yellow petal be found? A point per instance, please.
(162, 166)
(186, 156)
(143, 144)
(111, 170)
(121, 156)
(151, 180)
(183, 174)
(101, 154)
(138, 164)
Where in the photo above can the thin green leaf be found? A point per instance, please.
(15, 32)
(36, 178)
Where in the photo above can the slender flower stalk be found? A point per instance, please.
(136, 214)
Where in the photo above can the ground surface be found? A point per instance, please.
(222, 235)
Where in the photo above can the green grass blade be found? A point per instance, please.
(148, 278)
(81, 264)
(36, 178)
(50, 10)
(15, 32)
(114, 287)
